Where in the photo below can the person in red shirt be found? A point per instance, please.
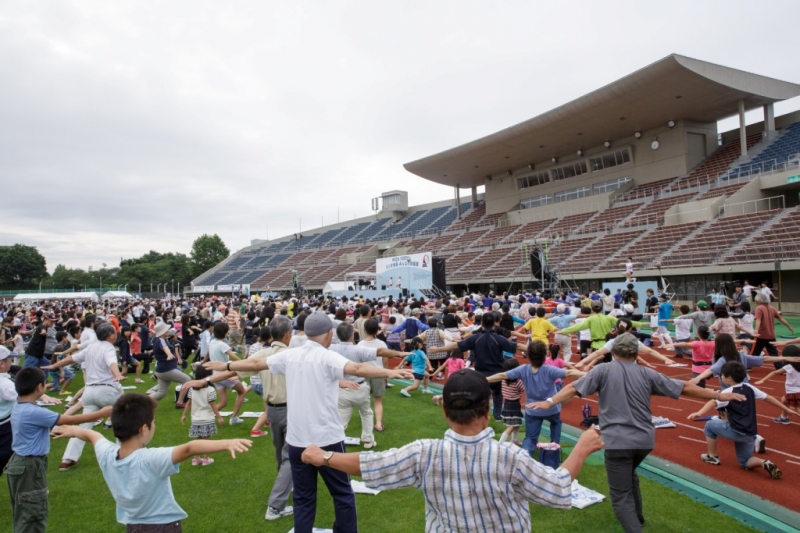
(764, 326)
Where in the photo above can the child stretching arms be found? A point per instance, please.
(137, 476)
(26, 471)
(512, 410)
(792, 373)
(740, 423)
(420, 366)
(202, 402)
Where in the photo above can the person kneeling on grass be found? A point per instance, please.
(138, 477)
(508, 476)
(738, 420)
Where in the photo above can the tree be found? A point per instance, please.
(21, 266)
(207, 252)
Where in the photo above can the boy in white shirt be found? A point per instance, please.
(137, 476)
(683, 332)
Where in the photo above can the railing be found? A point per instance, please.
(751, 206)
(54, 291)
(764, 167)
(594, 206)
(684, 186)
(637, 221)
(766, 253)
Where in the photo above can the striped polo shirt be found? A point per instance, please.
(470, 483)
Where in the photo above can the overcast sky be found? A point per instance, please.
(131, 126)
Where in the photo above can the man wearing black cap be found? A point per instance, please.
(502, 478)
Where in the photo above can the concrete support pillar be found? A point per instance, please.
(769, 122)
(474, 196)
(742, 131)
(458, 202)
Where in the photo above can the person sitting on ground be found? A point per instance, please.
(138, 476)
(510, 478)
(739, 423)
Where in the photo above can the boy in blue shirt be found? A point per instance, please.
(664, 314)
(138, 477)
(26, 471)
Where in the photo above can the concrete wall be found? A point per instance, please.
(671, 159)
(699, 210)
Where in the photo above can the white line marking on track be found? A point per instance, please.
(693, 440)
(673, 408)
(793, 462)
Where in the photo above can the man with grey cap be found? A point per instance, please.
(312, 394)
(502, 479)
(624, 390)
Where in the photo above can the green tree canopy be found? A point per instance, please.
(21, 266)
(207, 252)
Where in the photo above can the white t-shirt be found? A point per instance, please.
(746, 322)
(96, 362)
(201, 408)
(297, 341)
(792, 379)
(683, 327)
(377, 344)
(584, 334)
(312, 393)
(218, 351)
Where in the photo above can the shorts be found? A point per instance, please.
(226, 384)
(793, 400)
(419, 377)
(583, 347)
(202, 430)
(743, 443)
(377, 387)
(127, 360)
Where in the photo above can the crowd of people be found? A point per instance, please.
(314, 361)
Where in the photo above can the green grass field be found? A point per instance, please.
(230, 495)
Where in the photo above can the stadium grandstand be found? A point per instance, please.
(636, 168)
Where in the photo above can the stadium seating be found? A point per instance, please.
(566, 225)
(646, 190)
(467, 239)
(598, 251)
(777, 240)
(528, 231)
(714, 165)
(399, 228)
(469, 219)
(774, 156)
(646, 248)
(448, 218)
(369, 233)
(423, 223)
(724, 190)
(653, 213)
(608, 219)
(490, 261)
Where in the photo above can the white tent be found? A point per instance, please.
(334, 286)
(110, 295)
(56, 296)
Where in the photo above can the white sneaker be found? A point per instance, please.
(427, 391)
(760, 445)
(370, 445)
(405, 393)
(235, 420)
(274, 514)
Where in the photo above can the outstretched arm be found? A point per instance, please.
(346, 462)
(202, 447)
(708, 406)
(86, 435)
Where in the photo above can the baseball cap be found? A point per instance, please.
(4, 353)
(466, 389)
(628, 308)
(628, 342)
(317, 324)
(702, 303)
(597, 304)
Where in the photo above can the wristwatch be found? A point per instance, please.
(228, 367)
(326, 458)
(549, 400)
(208, 380)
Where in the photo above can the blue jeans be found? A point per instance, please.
(742, 442)
(533, 426)
(34, 361)
(304, 480)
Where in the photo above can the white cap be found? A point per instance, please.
(628, 308)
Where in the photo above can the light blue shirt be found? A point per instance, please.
(30, 429)
(539, 386)
(562, 321)
(140, 484)
(417, 360)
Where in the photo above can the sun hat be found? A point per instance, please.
(162, 328)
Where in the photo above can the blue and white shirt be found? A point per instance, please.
(470, 483)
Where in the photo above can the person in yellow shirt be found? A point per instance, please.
(539, 327)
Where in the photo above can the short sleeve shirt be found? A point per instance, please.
(766, 315)
(218, 351)
(30, 429)
(140, 484)
(624, 390)
(539, 386)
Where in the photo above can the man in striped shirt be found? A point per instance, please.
(471, 481)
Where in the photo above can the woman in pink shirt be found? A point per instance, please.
(556, 361)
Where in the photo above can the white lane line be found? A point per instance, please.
(793, 462)
(673, 408)
(693, 440)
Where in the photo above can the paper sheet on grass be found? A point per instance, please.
(245, 414)
(352, 441)
(583, 497)
(361, 488)
(129, 387)
(316, 530)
